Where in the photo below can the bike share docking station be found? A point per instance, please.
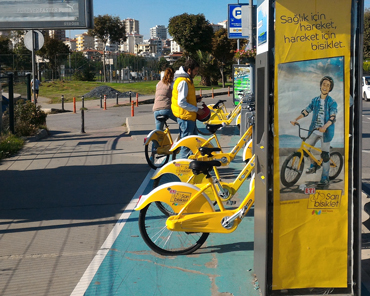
(307, 203)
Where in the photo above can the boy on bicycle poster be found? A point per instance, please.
(311, 144)
(315, 121)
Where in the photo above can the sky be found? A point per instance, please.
(150, 13)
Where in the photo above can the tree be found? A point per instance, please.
(223, 51)
(5, 56)
(163, 64)
(23, 60)
(191, 32)
(108, 28)
(367, 33)
(55, 51)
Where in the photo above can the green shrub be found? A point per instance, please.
(9, 145)
(28, 119)
(366, 67)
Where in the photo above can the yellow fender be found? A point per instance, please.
(248, 151)
(176, 195)
(180, 168)
(158, 136)
(192, 142)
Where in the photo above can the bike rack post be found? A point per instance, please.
(83, 115)
(74, 105)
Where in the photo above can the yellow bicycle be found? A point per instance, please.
(158, 144)
(194, 143)
(293, 165)
(219, 115)
(190, 215)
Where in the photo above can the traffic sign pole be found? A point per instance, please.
(33, 66)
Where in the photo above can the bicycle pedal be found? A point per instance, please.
(231, 202)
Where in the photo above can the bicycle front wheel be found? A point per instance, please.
(336, 165)
(291, 170)
(154, 159)
(166, 178)
(152, 225)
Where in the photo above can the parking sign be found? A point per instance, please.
(239, 22)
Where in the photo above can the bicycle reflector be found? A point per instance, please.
(206, 115)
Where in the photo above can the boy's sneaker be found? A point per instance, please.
(312, 169)
(324, 182)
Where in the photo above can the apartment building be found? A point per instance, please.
(158, 31)
(57, 34)
(175, 47)
(131, 26)
(71, 43)
(131, 43)
(84, 41)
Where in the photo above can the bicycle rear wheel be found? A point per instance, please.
(154, 159)
(336, 165)
(201, 128)
(291, 171)
(152, 225)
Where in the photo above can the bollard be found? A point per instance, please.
(105, 102)
(83, 115)
(116, 98)
(63, 103)
(74, 105)
(132, 109)
(200, 92)
(228, 92)
(137, 100)
(101, 101)
(130, 97)
(213, 95)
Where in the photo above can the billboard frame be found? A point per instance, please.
(85, 18)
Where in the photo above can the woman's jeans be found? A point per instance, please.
(159, 125)
(187, 128)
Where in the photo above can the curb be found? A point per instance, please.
(41, 134)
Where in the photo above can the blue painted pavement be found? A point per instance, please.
(224, 264)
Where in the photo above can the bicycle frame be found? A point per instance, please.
(225, 117)
(196, 212)
(195, 142)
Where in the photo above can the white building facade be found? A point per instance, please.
(159, 31)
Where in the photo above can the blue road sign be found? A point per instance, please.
(235, 21)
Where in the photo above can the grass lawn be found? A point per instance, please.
(55, 89)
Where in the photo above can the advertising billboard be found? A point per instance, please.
(46, 14)
(311, 147)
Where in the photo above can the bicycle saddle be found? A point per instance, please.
(162, 118)
(208, 150)
(213, 127)
(203, 167)
(217, 105)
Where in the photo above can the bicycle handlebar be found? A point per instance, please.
(301, 128)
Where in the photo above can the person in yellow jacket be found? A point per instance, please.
(184, 102)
